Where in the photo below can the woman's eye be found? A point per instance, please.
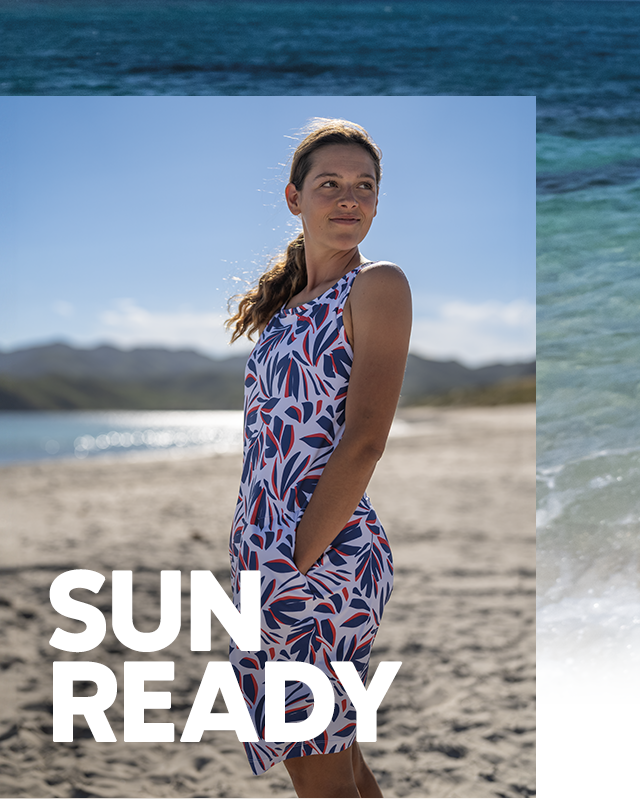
(365, 185)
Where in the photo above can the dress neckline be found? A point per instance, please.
(310, 302)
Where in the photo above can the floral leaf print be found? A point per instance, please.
(288, 373)
(323, 341)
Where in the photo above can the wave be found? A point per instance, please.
(610, 175)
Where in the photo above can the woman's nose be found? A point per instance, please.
(348, 198)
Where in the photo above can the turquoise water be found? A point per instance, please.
(589, 392)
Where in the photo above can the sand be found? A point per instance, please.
(456, 496)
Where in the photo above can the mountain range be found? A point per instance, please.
(58, 376)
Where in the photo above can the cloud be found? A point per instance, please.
(130, 325)
(475, 333)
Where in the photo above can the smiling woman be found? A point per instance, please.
(329, 320)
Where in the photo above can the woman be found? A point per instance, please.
(328, 319)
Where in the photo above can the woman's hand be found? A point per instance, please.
(380, 314)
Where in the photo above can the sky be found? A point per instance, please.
(131, 220)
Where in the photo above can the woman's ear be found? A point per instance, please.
(292, 196)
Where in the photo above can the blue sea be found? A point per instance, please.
(582, 62)
(581, 59)
(30, 436)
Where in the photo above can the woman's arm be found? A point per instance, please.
(380, 302)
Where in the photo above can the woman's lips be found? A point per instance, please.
(345, 220)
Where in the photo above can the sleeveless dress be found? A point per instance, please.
(296, 384)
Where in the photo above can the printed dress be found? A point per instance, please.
(296, 384)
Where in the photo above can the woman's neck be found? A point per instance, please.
(328, 268)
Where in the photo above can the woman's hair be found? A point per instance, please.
(287, 275)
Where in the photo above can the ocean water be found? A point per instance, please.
(29, 436)
(581, 59)
(589, 391)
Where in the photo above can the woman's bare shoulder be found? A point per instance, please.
(379, 303)
(379, 267)
(381, 274)
(377, 279)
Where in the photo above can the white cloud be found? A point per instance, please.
(129, 325)
(475, 333)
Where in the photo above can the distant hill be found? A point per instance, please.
(111, 363)
(507, 392)
(425, 378)
(61, 377)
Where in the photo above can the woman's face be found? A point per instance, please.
(338, 199)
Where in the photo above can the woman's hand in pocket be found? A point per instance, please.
(302, 564)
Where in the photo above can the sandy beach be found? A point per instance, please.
(456, 497)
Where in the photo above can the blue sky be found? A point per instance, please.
(130, 220)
